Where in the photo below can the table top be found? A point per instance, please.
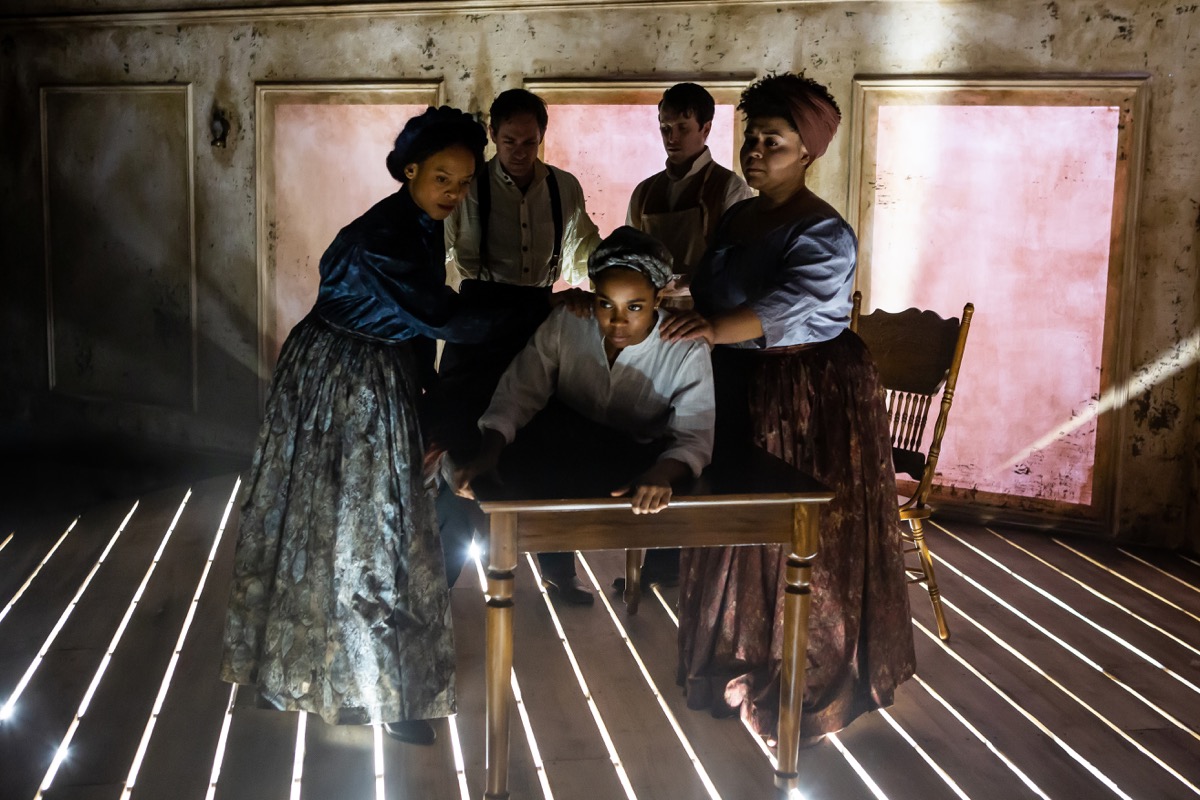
(749, 477)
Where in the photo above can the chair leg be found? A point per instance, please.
(935, 597)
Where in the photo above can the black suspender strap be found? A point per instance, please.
(556, 213)
(485, 215)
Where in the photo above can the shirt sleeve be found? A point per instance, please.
(381, 293)
(693, 411)
(810, 286)
(736, 191)
(462, 236)
(581, 234)
(528, 383)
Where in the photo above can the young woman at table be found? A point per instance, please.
(638, 409)
(773, 296)
(339, 605)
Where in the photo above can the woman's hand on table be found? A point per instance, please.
(651, 491)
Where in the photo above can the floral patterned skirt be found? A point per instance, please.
(339, 605)
(820, 408)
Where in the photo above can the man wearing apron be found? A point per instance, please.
(522, 226)
(680, 206)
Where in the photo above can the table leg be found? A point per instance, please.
(502, 560)
(633, 580)
(795, 642)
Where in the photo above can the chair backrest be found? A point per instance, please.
(917, 353)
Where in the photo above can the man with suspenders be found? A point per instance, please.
(523, 225)
(680, 206)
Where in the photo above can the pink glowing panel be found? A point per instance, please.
(1010, 208)
(329, 169)
(612, 148)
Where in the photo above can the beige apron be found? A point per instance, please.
(684, 232)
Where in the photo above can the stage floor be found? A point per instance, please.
(1073, 671)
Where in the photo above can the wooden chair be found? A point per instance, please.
(918, 355)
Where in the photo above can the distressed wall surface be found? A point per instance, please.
(480, 53)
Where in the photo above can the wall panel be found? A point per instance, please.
(120, 266)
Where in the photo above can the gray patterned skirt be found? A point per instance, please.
(339, 605)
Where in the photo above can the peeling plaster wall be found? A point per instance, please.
(480, 53)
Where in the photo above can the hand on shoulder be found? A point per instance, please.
(677, 326)
(579, 302)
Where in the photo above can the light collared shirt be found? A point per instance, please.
(654, 389)
(735, 188)
(521, 231)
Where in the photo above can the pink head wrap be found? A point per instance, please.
(815, 119)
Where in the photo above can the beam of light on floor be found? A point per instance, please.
(6, 710)
(666, 606)
(701, 772)
(978, 734)
(219, 754)
(1169, 363)
(1159, 570)
(165, 685)
(1149, 659)
(928, 759)
(1189, 560)
(1083, 704)
(112, 646)
(522, 710)
(857, 767)
(1078, 654)
(12, 601)
(1117, 574)
(7, 539)
(298, 758)
(1096, 593)
(1071, 752)
(622, 776)
(460, 764)
(380, 784)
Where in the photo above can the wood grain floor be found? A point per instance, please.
(1073, 672)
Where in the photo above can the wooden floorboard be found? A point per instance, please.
(572, 749)
(339, 762)
(1170, 619)
(1068, 661)
(1064, 706)
(194, 708)
(30, 544)
(104, 747)
(77, 651)
(36, 613)
(734, 762)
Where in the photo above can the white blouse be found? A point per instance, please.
(654, 389)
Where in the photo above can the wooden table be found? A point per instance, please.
(751, 498)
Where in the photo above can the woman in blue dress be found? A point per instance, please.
(773, 294)
(339, 605)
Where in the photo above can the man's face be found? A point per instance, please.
(683, 138)
(517, 141)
